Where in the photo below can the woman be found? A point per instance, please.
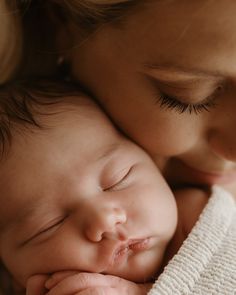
(164, 71)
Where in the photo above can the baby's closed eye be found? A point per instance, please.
(46, 231)
(116, 181)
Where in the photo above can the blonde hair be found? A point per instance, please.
(10, 39)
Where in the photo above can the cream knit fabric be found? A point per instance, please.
(206, 262)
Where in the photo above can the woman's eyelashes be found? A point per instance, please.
(119, 180)
(171, 103)
(187, 97)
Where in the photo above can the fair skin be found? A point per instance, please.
(185, 49)
(85, 223)
(171, 66)
(97, 205)
(190, 203)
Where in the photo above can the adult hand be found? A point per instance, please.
(93, 284)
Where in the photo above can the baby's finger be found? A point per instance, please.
(57, 277)
(36, 285)
(100, 291)
(82, 281)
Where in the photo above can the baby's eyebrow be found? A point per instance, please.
(108, 151)
(35, 207)
(26, 212)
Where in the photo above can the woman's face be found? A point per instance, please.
(167, 77)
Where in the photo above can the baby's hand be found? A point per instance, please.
(36, 285)
(64, 283)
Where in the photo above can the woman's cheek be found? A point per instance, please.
(164, 137)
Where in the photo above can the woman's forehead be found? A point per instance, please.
(185, 33)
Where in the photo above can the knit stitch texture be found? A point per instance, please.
(206, 262)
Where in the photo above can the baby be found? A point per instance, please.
(76, 195)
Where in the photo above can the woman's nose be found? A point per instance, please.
(104, 222)
(221, 130)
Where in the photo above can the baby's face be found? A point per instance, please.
(78, 196)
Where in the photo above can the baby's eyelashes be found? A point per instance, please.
(45, 232)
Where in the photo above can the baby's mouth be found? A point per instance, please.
(123, 251)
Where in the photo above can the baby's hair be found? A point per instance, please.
(20, 103)
(11, 39)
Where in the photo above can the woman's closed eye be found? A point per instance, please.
(118, 181)
(45, 232)
(192, 97)
(172, 103)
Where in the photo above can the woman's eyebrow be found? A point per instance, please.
(166, 68)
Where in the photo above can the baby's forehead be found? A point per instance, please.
(80, 102)
(77, 101)
(26, 106)
(79, 107)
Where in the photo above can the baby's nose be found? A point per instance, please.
(104, 222)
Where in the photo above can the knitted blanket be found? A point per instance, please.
(206, 262)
